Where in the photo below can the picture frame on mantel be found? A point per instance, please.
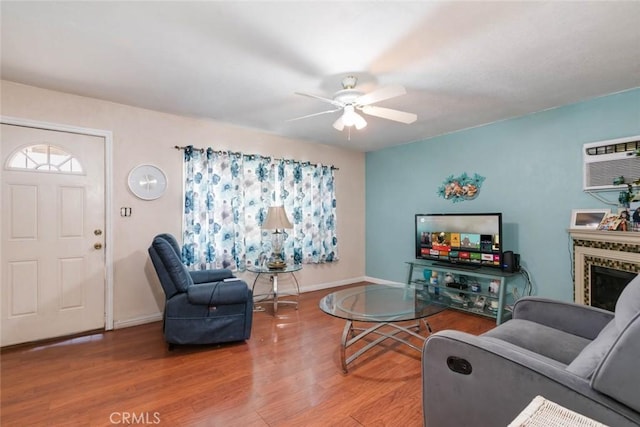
(612, 222)
(588, 219)
(634, 211)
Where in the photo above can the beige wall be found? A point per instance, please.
(145, 136)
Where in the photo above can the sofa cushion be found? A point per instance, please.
(172, 241)
(540, 339)
(628, 304)
(175, 268)
(627, 307)
(594, 352)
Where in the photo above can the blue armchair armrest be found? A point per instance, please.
(219, 293)
(208, 276)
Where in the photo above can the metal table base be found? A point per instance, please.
(350, 330)
(274, 295)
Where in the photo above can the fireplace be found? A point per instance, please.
(604, 262)
(607, 285)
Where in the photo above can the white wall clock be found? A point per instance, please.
(147, 182)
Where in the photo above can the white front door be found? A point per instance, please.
(53, 222)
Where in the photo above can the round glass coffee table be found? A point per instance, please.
(385, 306)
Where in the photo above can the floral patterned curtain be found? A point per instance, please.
(308, 196)
(227, 196)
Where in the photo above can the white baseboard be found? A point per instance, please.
(383, 281)
(118, 324)
(156, 317)
(328, 285)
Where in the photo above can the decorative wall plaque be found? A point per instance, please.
(461, 188)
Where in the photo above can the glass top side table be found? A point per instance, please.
(273, 278)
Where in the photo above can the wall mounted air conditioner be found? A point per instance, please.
(606, 161)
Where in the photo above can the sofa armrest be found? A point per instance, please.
(576, 319)
(208, 276)
(502, 381)
(219, 293)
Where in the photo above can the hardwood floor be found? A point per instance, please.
(287, 374)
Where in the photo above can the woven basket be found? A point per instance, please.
(544, 413)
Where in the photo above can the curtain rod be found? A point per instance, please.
(177, 147)
(237, 153)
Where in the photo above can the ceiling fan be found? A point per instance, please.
(349, 100)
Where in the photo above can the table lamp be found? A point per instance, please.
(277, 220)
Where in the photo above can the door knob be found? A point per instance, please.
(97, 246)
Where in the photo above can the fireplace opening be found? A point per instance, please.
(607, 285)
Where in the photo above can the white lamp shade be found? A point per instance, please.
(359, 121)
(350, 118)
(276, 219)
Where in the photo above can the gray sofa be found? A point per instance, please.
(580, 357)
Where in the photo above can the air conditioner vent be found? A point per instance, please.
(605, 162)
(603, 173)
(623, 147)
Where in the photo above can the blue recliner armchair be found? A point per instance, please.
(201, 306)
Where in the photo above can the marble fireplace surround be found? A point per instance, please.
(617, 250)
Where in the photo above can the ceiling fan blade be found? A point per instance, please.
(381, 94)
(321, 98)
(314, 114)
(388, 113)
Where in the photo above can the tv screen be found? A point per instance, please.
(466, 239)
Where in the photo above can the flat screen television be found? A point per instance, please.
(466, 239)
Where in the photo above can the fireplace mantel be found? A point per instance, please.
(618, 250)
(619, 237)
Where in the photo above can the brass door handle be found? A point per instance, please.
(97, 246)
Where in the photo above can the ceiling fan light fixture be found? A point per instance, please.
(359, 122)
(351, 118)
(349, 99)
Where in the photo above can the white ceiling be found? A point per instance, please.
(463, 64)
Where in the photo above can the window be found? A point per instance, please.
(227, 196)
(44, 158)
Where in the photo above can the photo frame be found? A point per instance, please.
(630, 217)
(588, 218)
(634, 211)
(611, 222)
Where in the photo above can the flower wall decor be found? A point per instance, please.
(461, 188)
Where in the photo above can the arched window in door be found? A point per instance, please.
(44, 158)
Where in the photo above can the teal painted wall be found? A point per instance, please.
(533, 170)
